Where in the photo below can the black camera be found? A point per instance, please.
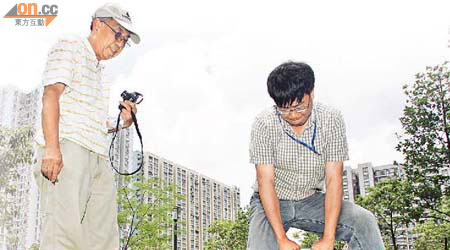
(135, 97)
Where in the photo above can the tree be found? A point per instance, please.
(425, 141)
(145, 208)
(16, 148)
(434, 234)
(391, 203)
(228, 234)
(16, 151)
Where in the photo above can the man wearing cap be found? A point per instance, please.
(77, 193)
(297, 146)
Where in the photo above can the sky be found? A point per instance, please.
(202, 67)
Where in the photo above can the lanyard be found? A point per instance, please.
(310, 147)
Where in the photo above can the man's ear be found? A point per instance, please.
(96, 24)
(312, 95)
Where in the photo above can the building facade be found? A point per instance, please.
(207, 200)
(349, 184)
(121, 150)
(17, 110)
(358, 181)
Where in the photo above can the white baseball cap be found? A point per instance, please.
(119, 14)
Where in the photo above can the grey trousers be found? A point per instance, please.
(79, 212)
(356, 225)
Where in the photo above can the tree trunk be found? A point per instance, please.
(393, 233)
(393, 238)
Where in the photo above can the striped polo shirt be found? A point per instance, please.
(84, 102)
(299, 171)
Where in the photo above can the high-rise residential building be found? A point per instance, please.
(445, 171)
(19, 109)
(122, 150)
(207, 200)
(9, 99)
(367, 175)
(348, 184)
(386, 172)
(357, 181)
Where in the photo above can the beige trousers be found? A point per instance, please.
(79, 212)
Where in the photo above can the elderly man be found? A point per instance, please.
(296, 146)
(78, 197)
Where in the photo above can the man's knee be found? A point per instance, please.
(365, 220)
(261, 235)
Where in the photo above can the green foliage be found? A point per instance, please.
(310, 238)
(229, 235)
(16, 151)
(296, 235)
(391, 203)
(35, 246)
(145, 209)
(425, 141)
(432, 235)
(339, 245)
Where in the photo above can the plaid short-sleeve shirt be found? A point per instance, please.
(299, 171)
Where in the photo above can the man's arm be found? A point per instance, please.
(271, 204)
(52, 160)
(333, 204)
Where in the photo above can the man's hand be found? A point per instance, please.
(52, 163)
(126, 113)
(287, 244)
(323, 244)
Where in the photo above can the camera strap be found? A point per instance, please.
(111, 147)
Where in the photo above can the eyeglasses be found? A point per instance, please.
(118, 36)
(294, 110)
